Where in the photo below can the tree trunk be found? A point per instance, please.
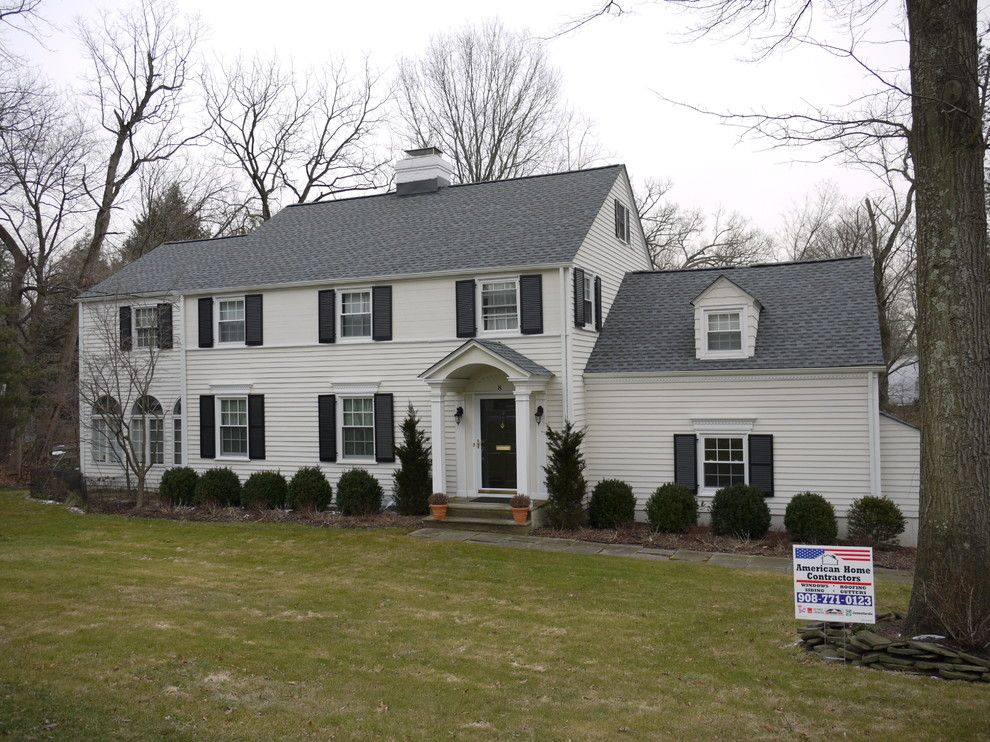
(951, 593)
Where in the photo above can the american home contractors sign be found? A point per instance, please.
(834, 583)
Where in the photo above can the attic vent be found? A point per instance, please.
(423, 170)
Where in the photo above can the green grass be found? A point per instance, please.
(112, 627)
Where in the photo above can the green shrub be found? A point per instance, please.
(265, 490)
(673, 508)
(612, 504)
(413, 482)
(810, 519)
(309, 490)
(359, 493)
(741, 511)
(178, 486)
(566, 485)
(875, 520)
(219, 487)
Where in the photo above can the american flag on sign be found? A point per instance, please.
(846, 553)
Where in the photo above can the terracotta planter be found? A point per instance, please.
(519, 515)
(439, 512)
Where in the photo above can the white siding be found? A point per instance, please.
(724, 293)
(819, 423)
(900, 469)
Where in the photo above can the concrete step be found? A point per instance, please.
(464, 523)
(465, 509)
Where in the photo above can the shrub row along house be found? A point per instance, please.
(495, 309)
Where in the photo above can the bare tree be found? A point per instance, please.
(297, 139)
(125, 421)
(686, 238)
(490, 99)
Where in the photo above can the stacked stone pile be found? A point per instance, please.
(859, 646)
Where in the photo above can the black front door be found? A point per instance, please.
(498, 444)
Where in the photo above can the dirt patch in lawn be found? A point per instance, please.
(701, 538)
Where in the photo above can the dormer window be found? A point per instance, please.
(724, 331)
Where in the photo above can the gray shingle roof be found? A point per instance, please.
(515, 357)
(819, 314)
(537, 220)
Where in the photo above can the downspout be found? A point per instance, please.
(873, 395)
(565, 349)
(182, 383)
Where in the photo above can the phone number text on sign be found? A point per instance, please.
(834, 583)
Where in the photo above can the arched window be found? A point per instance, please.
(177, 433)
(105, 422)
(148, 430)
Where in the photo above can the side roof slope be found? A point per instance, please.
(819, 314)
(535, 220)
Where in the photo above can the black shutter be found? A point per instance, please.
(579, 318)
(761, 463)
(165, 326)
(464, 298)
(327, 424)
(381, 312)
(598, 303)
(384, 429)
(686, 461)
(618, 220)
(253, 320)
(206, 323)
(256, 426)
(327, 319)
(207, 427)
(125, 328)
(531, 300)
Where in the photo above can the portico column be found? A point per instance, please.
(437, 447)
(523, 441)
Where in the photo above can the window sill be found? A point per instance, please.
(500, 334)
(353, 460)
(232, 458)
(367, 339)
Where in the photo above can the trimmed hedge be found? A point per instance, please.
(612, 504)
(219, 487)
(309, 490)
(265, 490)
(359, 493)
(875, 520)
(741, 511)
(672, 509)
(178, 486)
(810, 519)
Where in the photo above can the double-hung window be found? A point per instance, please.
(357, 427)
(589, 299)
(230, 320)
(177, 433)
(233, 426)
(355, 314)
(723, 331)
(723, 461)
(146, 327)
(500, 305)
(101, 444)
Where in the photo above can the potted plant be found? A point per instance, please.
(520, 508)
(438, 505)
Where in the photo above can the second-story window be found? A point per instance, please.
(355, 314)
(499, 306)
(230, 324)
(621, 221)
(589, 300)
(724, 332)
(146, 327)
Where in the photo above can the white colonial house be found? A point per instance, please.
(496, 310)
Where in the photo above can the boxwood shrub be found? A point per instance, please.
(219, 487)
(309, 490)
(359, 493)
(672, 509)
(810, 519)
(264, 490)
(741, 511)
(177, 486)
(612, 504)
(875, 520)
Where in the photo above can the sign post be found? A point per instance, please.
(834, 583)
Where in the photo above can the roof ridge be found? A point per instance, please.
(206, 239)
(751, 265)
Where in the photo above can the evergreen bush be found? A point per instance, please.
(673, 508)
(219, 487)
(566, 485)
(309, 490)
(413, 480)
(265, 490)
(741, 511)
(178, 486)
(810, 519)
(612, 504)
(359, 493)
(875, 520)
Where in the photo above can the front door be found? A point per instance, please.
(498, 444)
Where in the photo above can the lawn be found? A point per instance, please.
(116, 627)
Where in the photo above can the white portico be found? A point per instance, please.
(493, 398)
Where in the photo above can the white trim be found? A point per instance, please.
(735, 426)
(355, 388)
(183, 381)
(564, 354)
(704, 491)
(873, 397)
(770, 374)
(339, 314)
(217, 411)
(704, 352)
(230, 390)
(567, 327)
(479, 310)
(410, 341)
(365, 460)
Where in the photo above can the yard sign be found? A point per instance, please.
(834, 583)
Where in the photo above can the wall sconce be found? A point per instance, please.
(458, 414)
(539, 414)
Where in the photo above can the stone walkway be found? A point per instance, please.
(633, 551)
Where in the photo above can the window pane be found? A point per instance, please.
(177, 441)
(355, 314)
(146, 327)
(156, 442)
(233, 412)
(231, 321)
(358, 426)
(137, 437)
(233, 441)
(100, 443)
(723, 459)
(724, 340)
(498, 306)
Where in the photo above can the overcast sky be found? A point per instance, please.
(614, 71)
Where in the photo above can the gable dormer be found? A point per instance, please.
(726, 320)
